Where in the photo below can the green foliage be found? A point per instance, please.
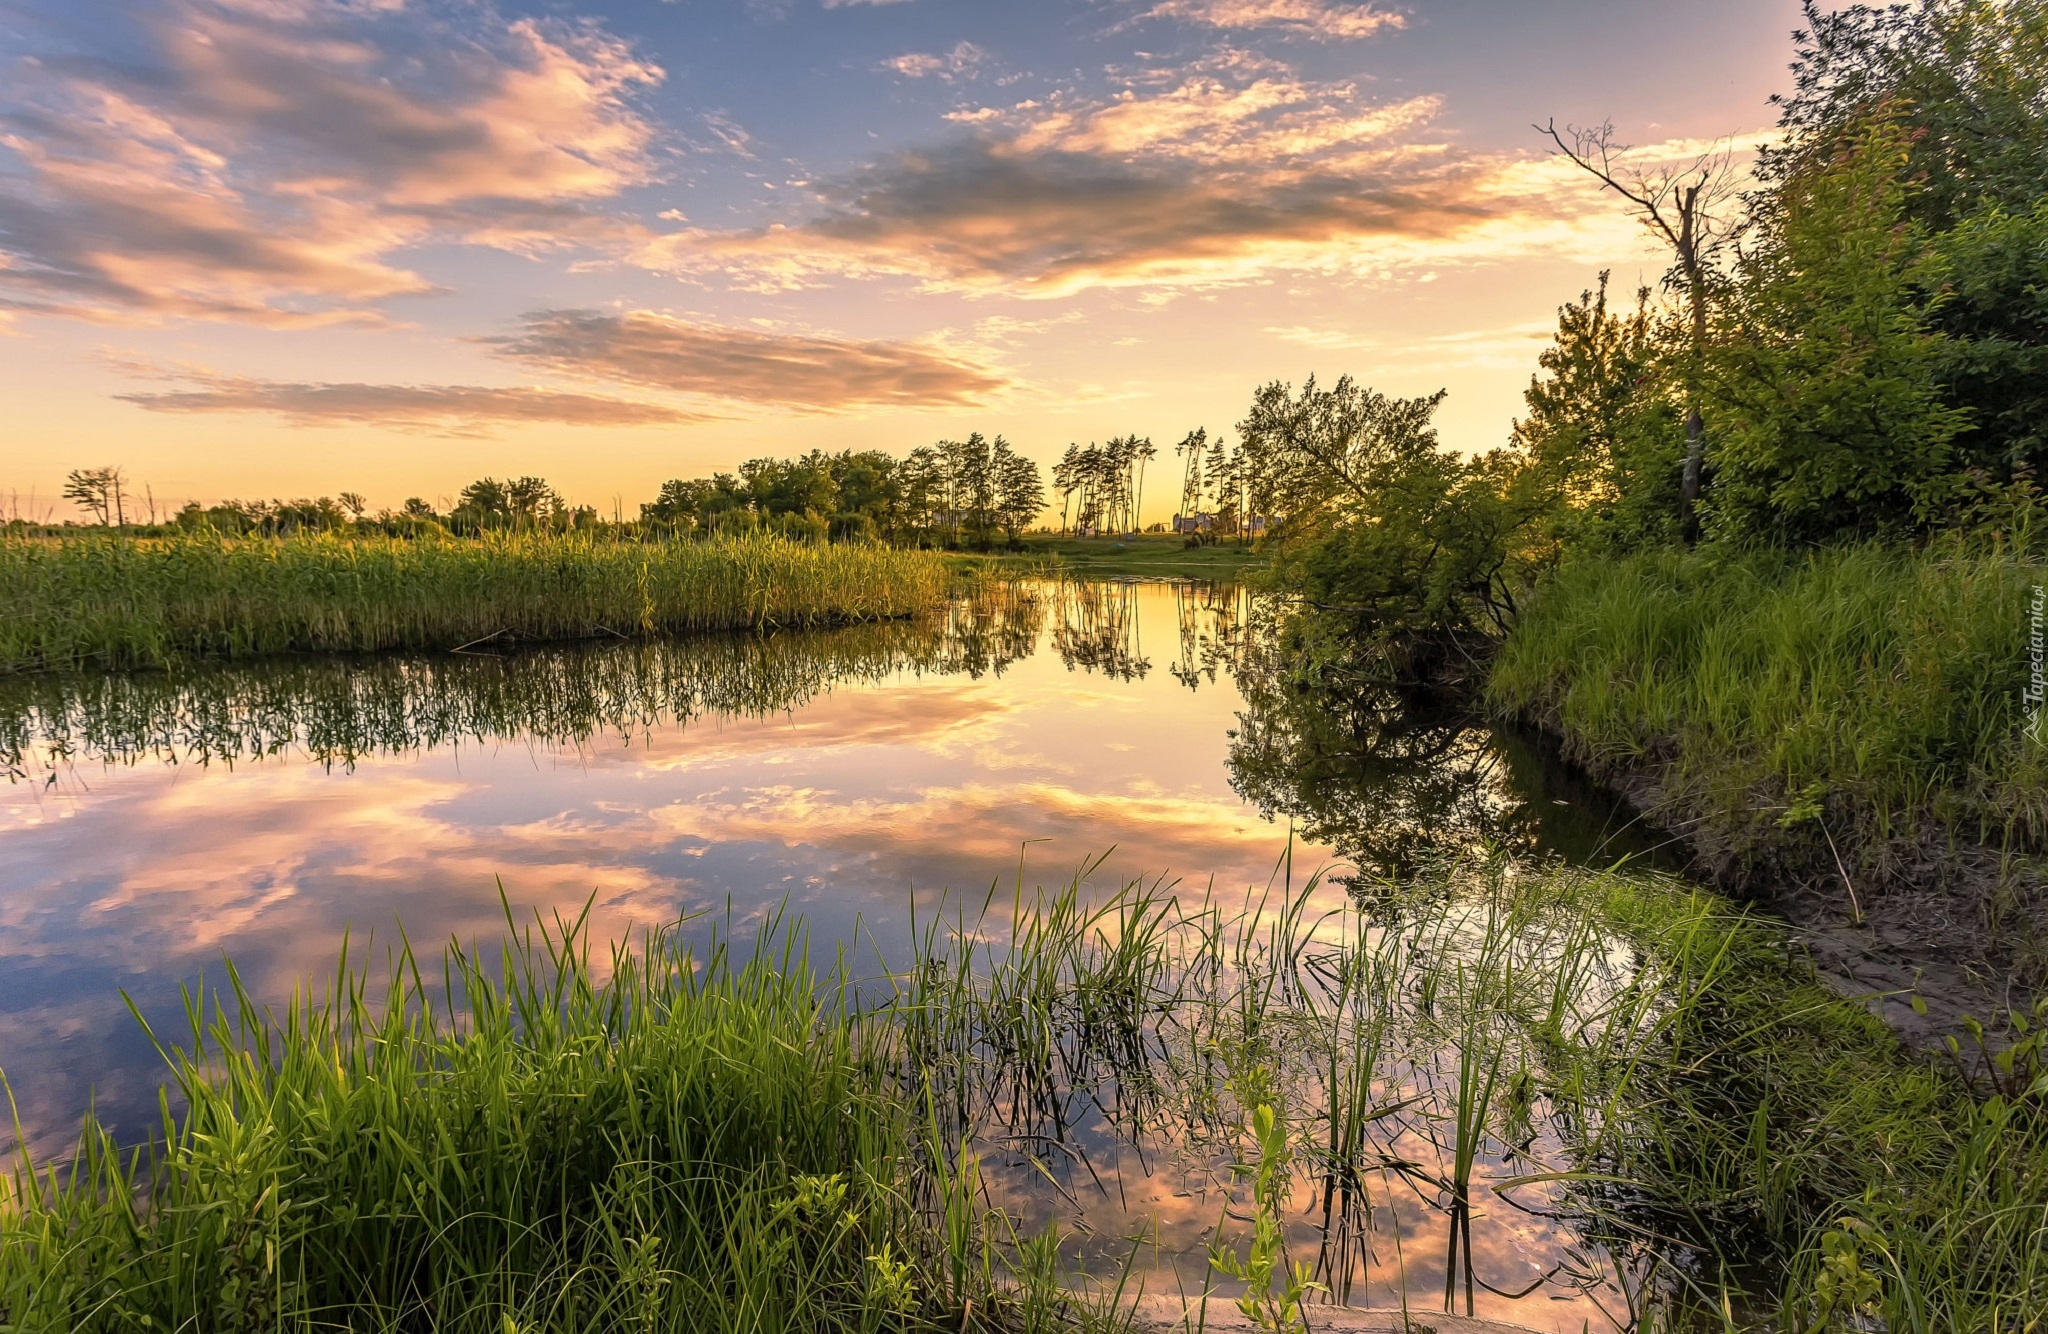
(1890, 680)
(1826, 379)
(121, 602)
(1968, 80)
(1995, 316)
(1379, 521)
(1604, 434)
(1273, 1289)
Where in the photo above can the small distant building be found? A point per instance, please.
(1194, 523)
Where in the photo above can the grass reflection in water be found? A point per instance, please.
(336, 710)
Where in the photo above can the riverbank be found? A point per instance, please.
(710, 1133)
(1838, 734)
(152, 602)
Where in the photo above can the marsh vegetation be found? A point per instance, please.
(1482, 1081)
(150, 602)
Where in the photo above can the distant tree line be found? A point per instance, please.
(955, 493)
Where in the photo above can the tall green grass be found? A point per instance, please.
(675, 1140)
(1869, 690)
(657, 1141)
(128, 602)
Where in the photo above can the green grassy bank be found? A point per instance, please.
(1856, 711)
(679, 1140)
(124, 602)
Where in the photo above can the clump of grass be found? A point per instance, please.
(1890, 677)
(154, 602)
(1773, 1121)
(691, 1143)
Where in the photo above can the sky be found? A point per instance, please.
(278, 248)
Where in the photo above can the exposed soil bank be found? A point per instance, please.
(1932, 917)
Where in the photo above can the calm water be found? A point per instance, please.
(153, 826)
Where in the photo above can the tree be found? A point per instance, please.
(482, 504)
(1603, 436)
(1827, 371)
(1190, 449)
(354, 503)
(1686, 205)
(1994, 313)
(1144, 452)
(971, 468)
(1967, 80)
(531, 503)
(1020, 494)
(98, 491)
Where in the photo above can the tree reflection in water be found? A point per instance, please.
(1095, 629)
(1393, 775)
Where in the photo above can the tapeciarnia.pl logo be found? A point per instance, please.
(2037, 680)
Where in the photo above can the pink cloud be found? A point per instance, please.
(808, 372)
(267, 162)
(1321, 20)
(1218, 177)
(444, 409)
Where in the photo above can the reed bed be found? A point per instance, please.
(155, 602)
(337, 709)
(1615, 1067)
(1874, 686)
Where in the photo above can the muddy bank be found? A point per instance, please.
(1927, 929)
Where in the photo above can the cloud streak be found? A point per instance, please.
(441, 409)
(264, 162)
(1210, 180)
(960, 62)
(1319, 20)
(808, 373)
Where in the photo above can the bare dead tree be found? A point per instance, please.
(1686, 204)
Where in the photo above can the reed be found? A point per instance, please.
(156, 602)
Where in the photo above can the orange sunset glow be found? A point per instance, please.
(254, 248)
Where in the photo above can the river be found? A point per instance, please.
(157, 825)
